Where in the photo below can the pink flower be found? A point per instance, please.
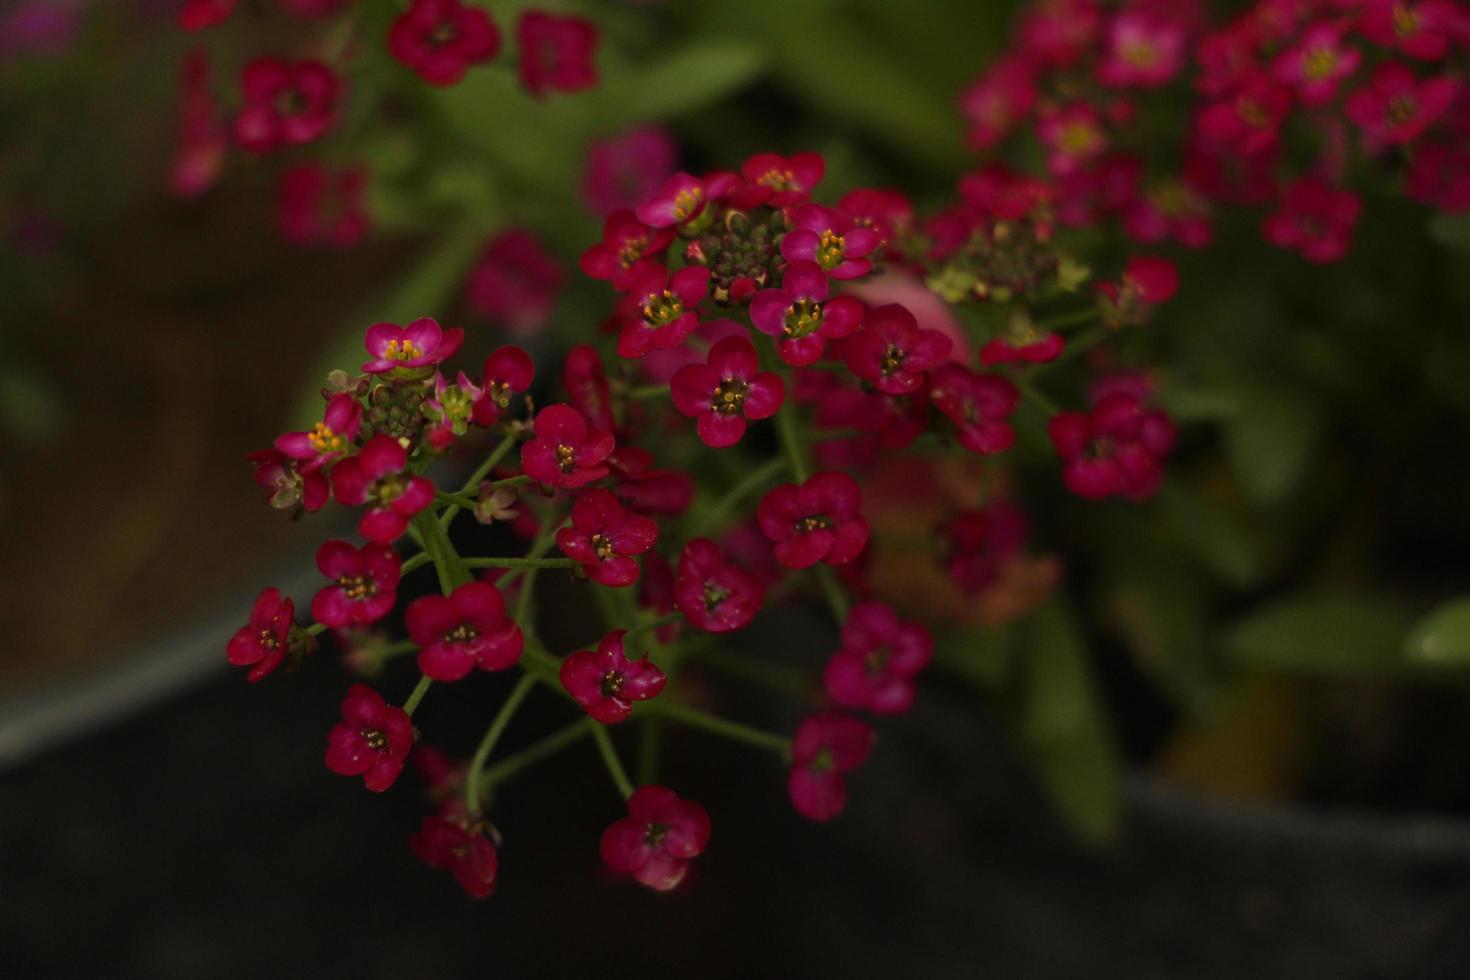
(441, 39)
(449, 845)
(1439, 176)
(1249, 121)
(977, 404)
(556, 52)
(778, 181)
(1074, 138)
(330, 438)
(1395, 107)
(818, 520)
(262, 643)
(606, 683)
(451, 410)
(1421, 29)
(892, 353)
(380, 474)
(1314, 219)
(310, 9)
(586, 384)
(799, 313)
(1317, 63)
(565, 452)
(880, 659)
(623, 170)
(1058, 32)
(996, 102)
(648, 490)
(830, 239)
(464, 629)
(656, 841)
(658, 311)
(364, 583)
(1145, 49)
(627, 248)
(604, 537)
(974, 544)
(887, 212)
(1170, 208)
(288, 484)
(508, 372)
(410, 352)
(1147, 281)
(285, 103)
(682, 199)
(714, 594)
(196, 15)
(1025, 344)
(202, 139)
(1117, 449)
(826, 748)
(516, 282)
(726, 391)
(316, 206)
(372, 740)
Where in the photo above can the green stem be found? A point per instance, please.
(652, 624)
(1079, 344)
(777, 677)
(610, 760)
(753, 481)
(492, 735)
(518, 562)
(451, 567)
(457, 499)
(737, 731)
(417, 561)
(538, 548)
(647, 392)
(786, 432)
(476, 478)
(420, 689)
(534, 753)
(650, 748)
(1034, 394)
(832, 589)
(315, 629)
(1071, 318)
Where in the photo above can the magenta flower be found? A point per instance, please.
(451, 410)
(725, 391)
(818, 520)
(1395, 106)
(606, 683)
(330, 438)
(623, 170)
(285, 103)
(1439, 176)
(682, 199)
(410, 352)
(556, 52)
(508, 372)
(288, 484)
(978, 405)
(628, 247)
(313, 9)
(604, 537)
(516, 282)
(830, 239)
(889, 213)
(316, 206)
(996, 102)
(1317, 63)
(262, 643)
(1314, 219)
(1117, 449)
(799, 313)
(1073, 136)
(826, 748)
(1028, 346)
(659, 310)
(1147, 281)
(1421, 29)
(1145, 49)
(565, 452)
(441, 39)
(1247, 122)
(199, 153)
(713, 593)
(975, 544)
(196, 15)
(657, 839)
(778, 181)
(364, 583)
(1170, 209)
(587, 388)
(372, 740)
(449, 845)
(464, 629)
(379, 475)
(648, 490)
(879, 661)
(892, 353)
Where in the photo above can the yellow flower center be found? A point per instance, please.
(402, 350)
(324, 440)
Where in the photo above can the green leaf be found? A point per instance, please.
(984, 658)
(697, 74)
(1442, 639)
(1064, 729)
(1212, 534)
(1270, 441)
(1330, 633)
(1451, 230)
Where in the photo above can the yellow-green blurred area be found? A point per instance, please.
(1251, 631)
